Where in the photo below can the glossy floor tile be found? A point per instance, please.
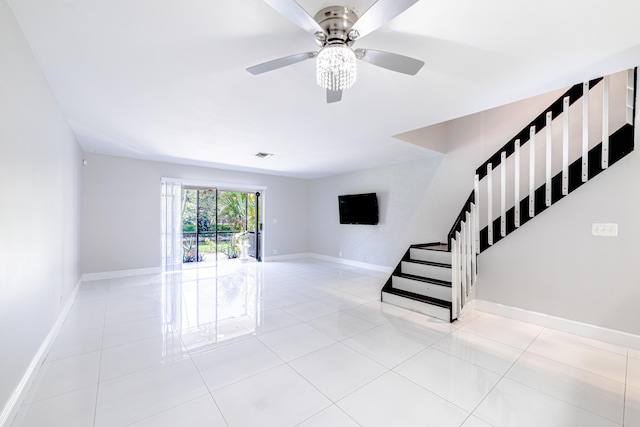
(278, 397)
(140, 355)
(308, 343)
(136, 396)
(505, 331)
(601, 362)
(632, 406)
(489, 354)
(232, 363)
(61, 376)
(200, 412)
(337, 370)
(295, 341)
(453, 379)
(473, 421)
(332, 416)
(591, 392)
(633, 372)
(341, 325)
(76, 408)
(392, 400)
(514, 404)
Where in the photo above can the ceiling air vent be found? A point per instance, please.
(264, 155)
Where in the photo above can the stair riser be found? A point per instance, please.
(430, 271)
(419, 306)
(421, 288)
(427, 255)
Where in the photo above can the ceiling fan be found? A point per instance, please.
(335, 29)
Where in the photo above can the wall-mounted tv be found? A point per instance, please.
(358, 209)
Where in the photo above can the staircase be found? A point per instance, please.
(437, 279)
(422, 281)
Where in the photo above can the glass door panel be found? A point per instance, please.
(207, 224)
(253, 224)
(219, 225)
(232, 216)
(189, 219)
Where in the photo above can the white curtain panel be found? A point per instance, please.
(171, 224)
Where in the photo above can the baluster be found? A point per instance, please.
(565, 146)
(605, 122)
(455, 298)
(516, 208)
(459, 271)
(474, 243)
(503, 193)
(490, 203)
(476, 197)
(532, 171)
(585, 131)
(630, 95)
(547, 186)
(469, 238)
(463, 261)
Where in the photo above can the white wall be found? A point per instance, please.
(552, 265)
(121, 210)
(39, 206)
(419, 200)
(402, 203)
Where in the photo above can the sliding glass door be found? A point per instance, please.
(219, 225)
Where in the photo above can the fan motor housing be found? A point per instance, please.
(337, 22)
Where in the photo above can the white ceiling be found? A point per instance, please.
(166, 80)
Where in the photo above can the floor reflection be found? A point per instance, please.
(209, 305)
(248, 344)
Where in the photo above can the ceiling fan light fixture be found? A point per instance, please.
(336, 67)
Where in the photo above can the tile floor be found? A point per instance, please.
(307, 343)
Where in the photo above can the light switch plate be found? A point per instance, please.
(604, 230)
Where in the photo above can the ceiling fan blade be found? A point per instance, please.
(333, 96)
(390, 61)
(380, 13)
(296, 14)
(280, 62)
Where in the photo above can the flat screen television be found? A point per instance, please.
(358, 209)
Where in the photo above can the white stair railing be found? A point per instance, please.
(575, 139)
(564, 142)
(464, 253)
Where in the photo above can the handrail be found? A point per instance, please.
(574, 94)
(467, 238)
(540, 122)
(456, 225)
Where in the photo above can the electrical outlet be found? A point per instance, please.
(340, 253)
(604, 230)
(275, 252)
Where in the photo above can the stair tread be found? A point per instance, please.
(438, 247)
(418, 297)
(432, 263)
(424, 279)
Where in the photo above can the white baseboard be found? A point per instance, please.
(353, 263)
(120, 273)
(275, 258)
(586, 330)
(12, 406)
(337, 260)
